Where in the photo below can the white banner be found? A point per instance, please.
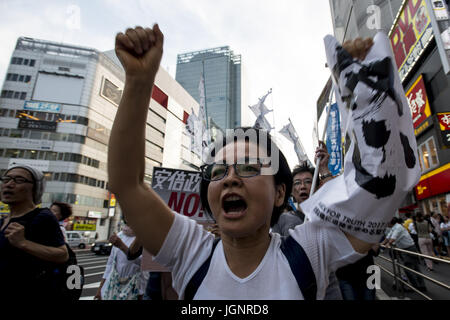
(381, 165)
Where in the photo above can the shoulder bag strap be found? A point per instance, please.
(197, 278)
(300, 266)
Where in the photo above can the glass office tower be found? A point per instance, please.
(222, 74)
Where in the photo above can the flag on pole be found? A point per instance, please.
(261, 122)
(193, 127)
(206, 139)
(289, 133)
(334, 140)
(381, 165)
(260, 108)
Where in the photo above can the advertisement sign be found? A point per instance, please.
(418, 102)
(440, 20)
(180, 189)
(84, 224)
(334, 141)
(410, 35)
(444, 125)
(111, 92)
(37, 125)
(33, 144)
(42, 106)
(95, 214)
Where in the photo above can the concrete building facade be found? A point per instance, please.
(57, 107)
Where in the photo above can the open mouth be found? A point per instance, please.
(303, 195)
(7, 193)
(234, 205)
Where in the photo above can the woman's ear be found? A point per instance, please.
(280, 192)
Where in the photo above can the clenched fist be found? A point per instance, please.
(15, 233)
(140, 52)
(358, 48)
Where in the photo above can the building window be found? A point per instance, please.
(428, 155)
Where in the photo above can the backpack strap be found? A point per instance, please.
(197, 278)
(300, 266)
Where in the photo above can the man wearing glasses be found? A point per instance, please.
(31, 242)
(301, 187)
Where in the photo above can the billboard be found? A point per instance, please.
(444, 125)
(111, 92)
(180, 189)
(418, 102)
(410, 35)
(42, 106)
(37, 125)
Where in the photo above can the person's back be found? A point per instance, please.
(423, 229)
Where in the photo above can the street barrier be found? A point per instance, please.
(398, 267)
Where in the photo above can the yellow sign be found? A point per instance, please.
(422, 127)
(4, 208)
(84, 227)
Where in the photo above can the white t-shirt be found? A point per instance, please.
(444, 225)
(188, 245)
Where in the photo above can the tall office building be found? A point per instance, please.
(223, 85)
(57, 107)
(420, 38)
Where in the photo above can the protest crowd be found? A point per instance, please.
(305, 234)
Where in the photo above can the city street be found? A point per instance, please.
(94, 266)
(441, 273)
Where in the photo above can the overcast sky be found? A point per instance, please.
(281, 42)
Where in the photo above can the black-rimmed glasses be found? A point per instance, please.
(217, 171)
(18, 180)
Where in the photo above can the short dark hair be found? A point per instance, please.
(304, 167)
(65, 208)
(282, 176)
(408, 215)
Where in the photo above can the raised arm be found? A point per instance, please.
(140, 52)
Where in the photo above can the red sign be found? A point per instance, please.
(444, 121)
(434, 183)
(411, 34)
(444, 124)
(418, 102)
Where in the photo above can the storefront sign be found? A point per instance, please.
(434, 183)
(410, 35)
(423, 127)
(95, 214)
(84, 224)
(444, 125)
(418, 102)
